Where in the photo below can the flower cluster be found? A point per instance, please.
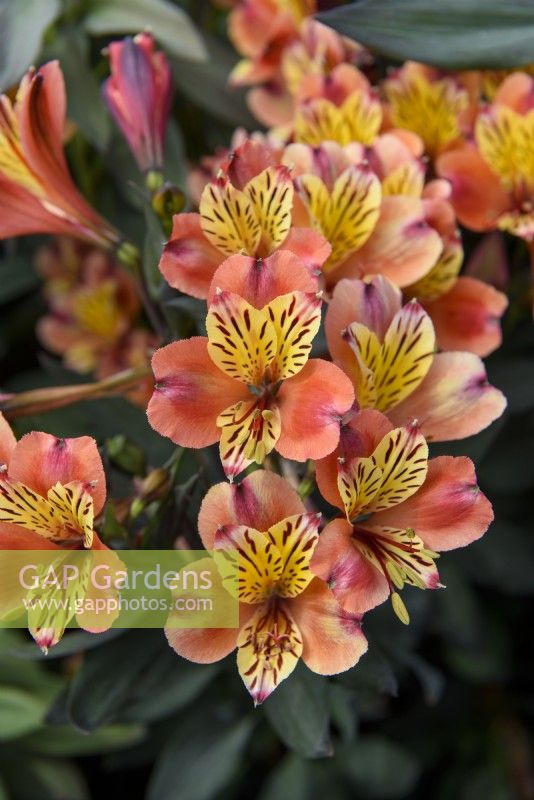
(339, 336)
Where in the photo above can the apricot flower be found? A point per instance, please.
(246, 210)
(38, 194)
(250, 384)
(285, 612)
(400, 511)
(388, 350)
(50, 492)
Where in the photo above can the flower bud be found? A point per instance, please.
(138, 95)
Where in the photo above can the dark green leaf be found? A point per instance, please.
(200, 759)
(84, 101)
(43, 779)
(108, 677)
(299, 713)
(20, 42)
(71, 643)
(206, 85)
(373, 671)
(20, 712)
(455, 34)
(169, 24)
(62, 740)
(291, 779)
(378, 768)
(18, 277)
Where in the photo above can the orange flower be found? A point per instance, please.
(50, 492)
(37, 190)
(93, 303)
(436, 106)
(373, 226)
(250, 384)
(285, 613)
(247, 210)
(388, 351)
(400, 511)
(492, 177)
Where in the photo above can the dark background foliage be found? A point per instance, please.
(441, 709)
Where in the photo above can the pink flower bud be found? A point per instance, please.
(138, 94)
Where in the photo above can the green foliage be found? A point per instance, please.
(454, 34)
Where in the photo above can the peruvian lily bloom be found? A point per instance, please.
(388, 351)
(250, 384)
(247, 210)
(93, 303)
(50, 492)
(371, 228)
(400, 511)
(38, 195)
(436, 106)
(285, 612)
(492, 177)
(139, 95)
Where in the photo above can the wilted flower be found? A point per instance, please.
(139, 95)
(285, 613)
(38, 194)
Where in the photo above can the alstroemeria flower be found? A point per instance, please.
(340, 195)
(356, 119)
(139, 95)
(38, 195)
(492, 178)
(285, 612)
(250, 384)
(247, 210)
(400, 511)
(92, 302)
(388, 350)
(50, 492)
(433, 105)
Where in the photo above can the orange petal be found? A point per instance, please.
(41, 116)
(190, 392)
(373, 303)
(248, 160)
(7, 441)
(40, 460)
(260, 501)
(189, 261)
(359, 437)
(310, 246)
(260, 280)
(312, 404)
(332, 637)
(468, 317)
(478, 196)
(449, 510)
(453, 401)
(12, 537)
(402, 247)
(356, 584)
